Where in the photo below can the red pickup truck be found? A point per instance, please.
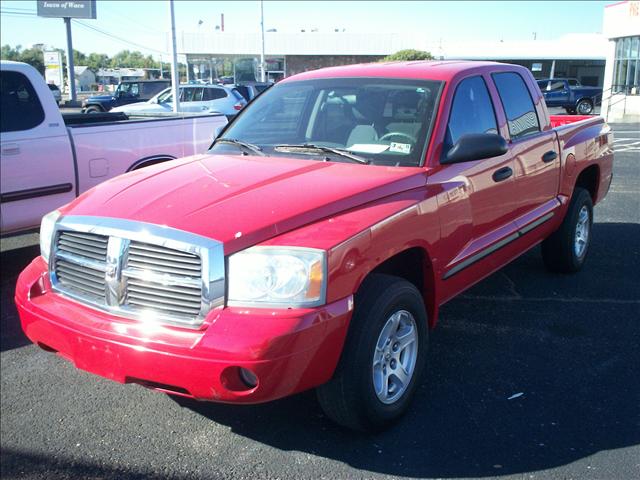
(314, 244)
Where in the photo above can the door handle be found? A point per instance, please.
(502, 174)
(10, 149)
(550, 156)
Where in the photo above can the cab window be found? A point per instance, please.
(19, 103)
(471, 111)
(517, 103)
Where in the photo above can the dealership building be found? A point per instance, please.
(575, 55)
(621, 27)
(608, 59)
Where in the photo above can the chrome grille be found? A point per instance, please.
(83, 280)
(75, 249)
(137, 270)
(148, 268)
(87, 245)
(163, 260)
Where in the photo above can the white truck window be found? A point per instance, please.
(19, 103)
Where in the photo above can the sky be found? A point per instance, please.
(142, 25)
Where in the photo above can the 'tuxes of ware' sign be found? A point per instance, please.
(68, 9)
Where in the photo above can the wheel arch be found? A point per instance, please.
(148, 161)
(97, 105)
(413, 264)
(589, 179)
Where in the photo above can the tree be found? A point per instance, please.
(407, 55)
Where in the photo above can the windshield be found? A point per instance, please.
(386, 121)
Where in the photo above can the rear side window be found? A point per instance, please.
(517, 104)
(237, 94)
(244, 91)
(574, 83)
(19, 104)
(214, 94)
(543, 84)
(557, 86)
(471, 111)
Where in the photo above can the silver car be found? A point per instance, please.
(193, 99)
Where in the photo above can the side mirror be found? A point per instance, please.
(476, 146)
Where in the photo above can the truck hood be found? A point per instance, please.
(242, 200)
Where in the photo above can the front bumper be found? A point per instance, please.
(288, 350)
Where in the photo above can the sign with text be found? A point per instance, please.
(68, 9)
(53, 68)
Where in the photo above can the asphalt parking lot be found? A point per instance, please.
(531, 375)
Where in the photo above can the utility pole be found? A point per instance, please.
(161, 70)
(71, 74)
(175, 77)
(262, 64)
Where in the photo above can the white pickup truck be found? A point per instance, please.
(48, 159)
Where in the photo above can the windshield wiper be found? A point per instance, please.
(337, 151)
(248, 146)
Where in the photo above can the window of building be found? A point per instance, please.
(471, 111)
(19, 103)
(517, 104)
(626, 67)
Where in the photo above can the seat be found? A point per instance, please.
(362, 134)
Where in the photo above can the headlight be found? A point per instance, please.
(46, 233)
(277, 277)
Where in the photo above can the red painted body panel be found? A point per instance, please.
(288, 350)
(361, 215)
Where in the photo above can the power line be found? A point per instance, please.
(24, 12)
(117, 38)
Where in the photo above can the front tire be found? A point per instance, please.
(383, 356)
(566, 249)
(93, 109)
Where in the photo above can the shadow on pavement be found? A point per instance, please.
(12, 262)
(16, 464)
(567, 344)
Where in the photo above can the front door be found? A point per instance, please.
(38, 173)
(476, 202)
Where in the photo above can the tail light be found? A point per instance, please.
(238, 106)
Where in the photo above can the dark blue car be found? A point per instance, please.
(569, 94)
(127, 92)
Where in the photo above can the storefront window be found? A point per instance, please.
(627, 66)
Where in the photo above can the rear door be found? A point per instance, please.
(217, 100)
(557, 94)
(535, 152)
(37, 165)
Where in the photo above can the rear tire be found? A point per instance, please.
(566, 249)
(584, 107)
(382, 359)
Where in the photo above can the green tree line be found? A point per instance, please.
(125, 58)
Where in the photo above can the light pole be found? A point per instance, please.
(71, 74)
(175, 78)
(262, 65)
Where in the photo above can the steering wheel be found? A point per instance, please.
(399, 134)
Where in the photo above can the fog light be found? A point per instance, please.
(248, 377)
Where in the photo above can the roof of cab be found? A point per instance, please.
(423, 69)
